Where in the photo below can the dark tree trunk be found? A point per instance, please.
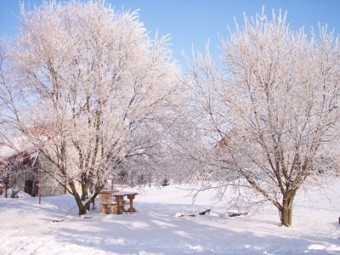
(81, 207)
(84, 207)
(84, 187)
(286, 210)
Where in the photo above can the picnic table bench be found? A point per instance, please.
(114, 202)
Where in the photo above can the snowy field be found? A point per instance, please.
(55, 228)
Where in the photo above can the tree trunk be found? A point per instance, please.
(84, 207)
(84, 187)
(81, 207)
(286, 210)
(84, 191)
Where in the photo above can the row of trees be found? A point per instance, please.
(105, 96)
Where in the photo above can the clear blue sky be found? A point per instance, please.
(195, 21)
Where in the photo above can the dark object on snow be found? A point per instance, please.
(182, 215)
(237, 214)
(193, 215)
(57, 221)
(205, 212)
(189, 215)
(165, 182)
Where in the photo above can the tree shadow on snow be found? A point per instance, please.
(154, 231)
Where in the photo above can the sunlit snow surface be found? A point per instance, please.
(163, 225)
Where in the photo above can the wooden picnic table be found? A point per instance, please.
(114, 202)
(119, 197)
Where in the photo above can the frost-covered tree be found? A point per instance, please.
(90, 89)
(271, 106)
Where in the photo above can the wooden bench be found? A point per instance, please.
(107, 205)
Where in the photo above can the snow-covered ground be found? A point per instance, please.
(55, 228)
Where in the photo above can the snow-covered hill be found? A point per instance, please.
(162, 225)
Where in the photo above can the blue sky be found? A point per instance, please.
(195, 21)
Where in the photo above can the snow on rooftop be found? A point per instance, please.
(18, 144)
(25, 142)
